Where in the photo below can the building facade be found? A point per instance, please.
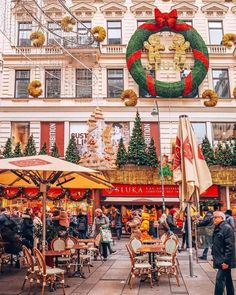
(77, 75)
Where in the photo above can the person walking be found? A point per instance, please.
(27, 229)
(223, 251)
(116, 222)
(229, 217)
(82, 225)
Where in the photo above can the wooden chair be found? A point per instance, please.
(138, 268)
(30, 274)
(59, 244)
(134, 244)
(47, 275)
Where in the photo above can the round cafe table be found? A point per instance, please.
(78, 272)
(56, 254)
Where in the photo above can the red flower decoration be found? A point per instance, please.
(166, 19)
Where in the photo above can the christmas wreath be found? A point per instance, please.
(38, 39)
(33, 88)
(67, 23)
(100, 33)
(129, 97)
(213, 98)
(167, 22)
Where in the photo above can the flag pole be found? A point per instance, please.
(190, 249)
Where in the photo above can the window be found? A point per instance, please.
(223, 131)
(83, 34)
(144, 93)
(52, 83)
(221, 83)
(184, 74)
(20, 133)
(24, 31)
(115, 82)
(54, 39)
(84, 83)
(114, 32)
(22, 79)
(200, 131)
(215, 32)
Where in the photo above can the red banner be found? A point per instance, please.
(151, 191)
(150, 129)
(52, 132)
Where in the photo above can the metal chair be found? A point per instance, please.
(134, 245)
(30, 274)
(59, 244)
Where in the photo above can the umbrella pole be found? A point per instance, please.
(190, 241)
(43, 189)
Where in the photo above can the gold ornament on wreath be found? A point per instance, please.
(100, 33)
(154, 46)
(234, 92)
(129, 97)
(33, 88)
(179, 45)
(229, 40)
(67, 23)
(38, 39)
(213, 98)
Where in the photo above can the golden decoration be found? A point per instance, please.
(234, 92)
(154, 46)
(129, 97)
(223, 175)
(213, 98)
(33, 88)
(38, 39)
(179, 45)
(100, 33)
(229, 39)
(67, 23)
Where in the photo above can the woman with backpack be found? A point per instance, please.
(82, 225)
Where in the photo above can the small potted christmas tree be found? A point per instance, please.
(121, 157)
(72, 153)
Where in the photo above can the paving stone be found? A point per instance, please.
(107, 288)
(116, 274)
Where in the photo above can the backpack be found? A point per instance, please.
(82, 224)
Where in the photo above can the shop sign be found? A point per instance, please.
(151, 190)
(151, 130)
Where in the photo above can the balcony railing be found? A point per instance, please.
(30, 50)
(116, 49)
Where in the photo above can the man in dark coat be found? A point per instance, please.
(223, 251)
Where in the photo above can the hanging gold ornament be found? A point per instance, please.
(129, 97)
(67, 23)
(33, 88)
(100, 33)
(213, 98)
(38, 39)
(229, 39)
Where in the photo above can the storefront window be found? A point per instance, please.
(20, 133)
(223, 131)
(200, 131)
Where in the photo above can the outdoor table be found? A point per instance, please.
(151, 250)
(56, 254)
(152, 241)
(86, 241)
(78, 272)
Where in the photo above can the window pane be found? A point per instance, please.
(53, 39)
(115, 82)
(84, 37)
(221, 83)
(22, 79)
(215, 25)
(114, 32)
(84, 81)
(223, 131)
(216, 36)
(53, 83)
(114, 24)
(144, 93)
(20, 133)
(200, 131)
(24, 31)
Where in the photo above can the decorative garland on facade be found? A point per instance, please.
(213, 98)
(100, 33)
(38, 39)
(67, 23)
(167, 22)
(129, 97)
(229, 40)
(33, 88)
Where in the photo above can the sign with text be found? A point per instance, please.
(151, 130)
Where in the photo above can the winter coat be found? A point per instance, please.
(82, 223)
(98, 223)
(223, 248)
(27, 227)
(207, 221)
(170, 222)
(230, 220)
(115, 219)
(206, 229)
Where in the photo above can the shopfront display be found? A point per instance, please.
(20, 133)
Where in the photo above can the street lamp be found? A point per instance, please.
(156, 112)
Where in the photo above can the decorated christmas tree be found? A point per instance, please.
(208, 152)
(137, 153)
(72, 154)
(152, 155)
(17, 150)
(54, 151)
(224, 155)
(30, 149)
(7, 151)
(233, 147)
(121, 157)
(43, 150)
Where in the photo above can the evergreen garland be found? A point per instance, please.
(152, 155)
(137, 153)
(7, 151)
(72, 154)
(43, 150)
(30, 149)
(17, 150)
(208, 152)
(121, 157)
(54, 151)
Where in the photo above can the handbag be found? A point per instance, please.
(106, 236)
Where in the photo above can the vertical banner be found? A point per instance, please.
(52, 132)
(151, 129)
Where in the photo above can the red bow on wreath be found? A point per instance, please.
(166, 19)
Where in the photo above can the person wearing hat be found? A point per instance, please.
(170, 220)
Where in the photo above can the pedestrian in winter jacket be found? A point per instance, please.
(223, 251)
(27, 229)
(229, 218)
(82, 225)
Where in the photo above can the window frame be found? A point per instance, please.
(114, 79)
(52, 78)
(56, 30)
(76, 86)
(120, 28)
(21, 79)
(209, 30)
(227, 70)
(20, 30)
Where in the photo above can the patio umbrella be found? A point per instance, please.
(44, 171)
(190, 171)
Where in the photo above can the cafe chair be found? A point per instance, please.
(47, 276)
(30, 274)
(138, 269)
(59, 244)
(134, 245)
(170, 248)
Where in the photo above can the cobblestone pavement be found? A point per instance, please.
(110, 278)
